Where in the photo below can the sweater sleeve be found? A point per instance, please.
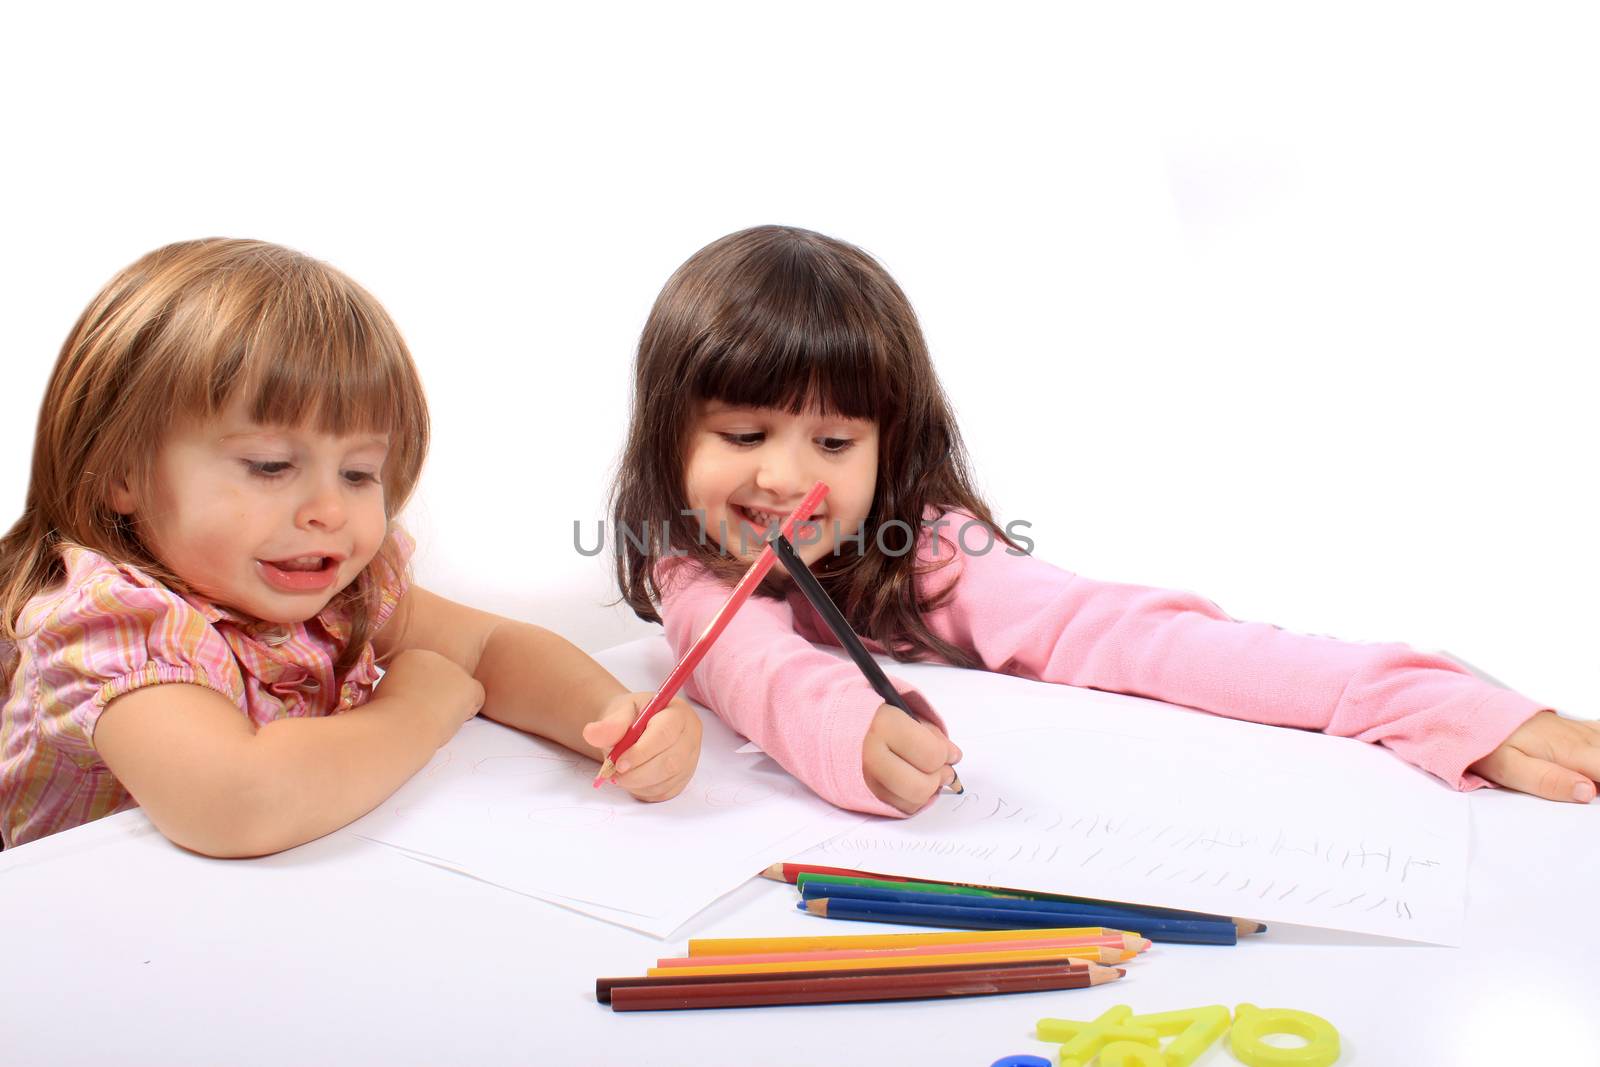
(806, 708)
(1023, 616)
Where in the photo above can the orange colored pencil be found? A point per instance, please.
(1118, 942)
(844, 961)
(740, 946)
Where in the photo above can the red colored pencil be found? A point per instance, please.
(691, 659)
(790, 872)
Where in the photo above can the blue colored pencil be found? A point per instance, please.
(847, 885)
(814, 890)
(1106, 915)
(1014, 915)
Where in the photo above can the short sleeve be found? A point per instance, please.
(396, 582)
(113, 635)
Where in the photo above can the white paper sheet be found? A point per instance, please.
(520, 812)
(1100, 795)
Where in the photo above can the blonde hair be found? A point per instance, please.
(179, 334)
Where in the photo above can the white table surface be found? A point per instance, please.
(119, 948)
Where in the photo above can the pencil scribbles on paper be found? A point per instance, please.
(572, 816)
(522, 766)
(1022, 847)
(735, 794)
(579, 808)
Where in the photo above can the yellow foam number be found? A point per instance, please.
(1192, 1030)
(1081, 1041)
(1251, 1024)
(1128, 1054)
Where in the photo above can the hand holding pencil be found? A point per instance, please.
(906, 761)
(741, 592)
(660, 763)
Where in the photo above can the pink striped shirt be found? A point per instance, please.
(110, 629)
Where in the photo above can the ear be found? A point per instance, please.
(122, 499)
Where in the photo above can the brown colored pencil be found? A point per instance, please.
(854, 988)
(604, 986)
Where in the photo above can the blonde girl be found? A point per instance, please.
(206, 575)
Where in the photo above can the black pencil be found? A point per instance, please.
(836, 621)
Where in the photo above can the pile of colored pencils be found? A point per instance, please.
(751, 972)
(836, 893)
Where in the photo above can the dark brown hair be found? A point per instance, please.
(178, 334)
(783, 318)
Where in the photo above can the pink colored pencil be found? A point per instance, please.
(1118, 941)
(691, 659)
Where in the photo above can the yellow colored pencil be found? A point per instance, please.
(1119, 941)
(1088, 953)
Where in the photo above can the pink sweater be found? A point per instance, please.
(1019, 615)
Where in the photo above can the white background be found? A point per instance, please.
(1292, 307)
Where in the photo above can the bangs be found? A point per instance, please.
(328, 367)
(292, 338)
(299, 342)
(792, 337)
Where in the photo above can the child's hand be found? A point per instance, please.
(661, 762)
(1548, 756)
(437, 685)
(905, 761)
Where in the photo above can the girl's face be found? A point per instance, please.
(748, 468)
(270, 521)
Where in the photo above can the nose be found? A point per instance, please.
(782, 471)
(323, 506)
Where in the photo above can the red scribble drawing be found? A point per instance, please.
(576, 818)
(440, 760)
(739, 794)
(522, 766)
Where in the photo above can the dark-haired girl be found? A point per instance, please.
(775, 358)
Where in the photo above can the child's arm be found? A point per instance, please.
(213, 782)
(1548, 756)
(1023, 616)
(539, 682)
(811, 711)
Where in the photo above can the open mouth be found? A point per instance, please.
(300, 573)
(770, 522)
